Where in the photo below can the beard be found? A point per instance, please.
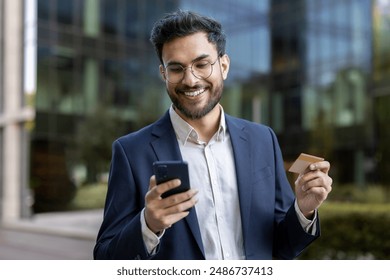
(191, 111)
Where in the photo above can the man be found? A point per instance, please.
(241, 204)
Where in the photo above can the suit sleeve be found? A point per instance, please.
(120, 235)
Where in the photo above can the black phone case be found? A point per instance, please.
(169, 170)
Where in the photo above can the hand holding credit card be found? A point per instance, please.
(303, 162)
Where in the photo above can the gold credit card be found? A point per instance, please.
(303, 162)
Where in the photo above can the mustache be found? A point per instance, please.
(187, 88)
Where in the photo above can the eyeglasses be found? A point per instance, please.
(201, 69)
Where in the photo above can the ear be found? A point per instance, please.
(162, 74)
(225, 63)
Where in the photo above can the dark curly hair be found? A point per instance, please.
(184, 23)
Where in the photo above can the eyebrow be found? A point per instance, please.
(201, 57)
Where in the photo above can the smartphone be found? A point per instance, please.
(169, 170)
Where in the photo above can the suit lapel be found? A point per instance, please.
(166, 147)
(243, 163)
(165, 144)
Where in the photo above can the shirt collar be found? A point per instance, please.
(185, 132)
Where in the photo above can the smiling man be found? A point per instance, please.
(240, 205)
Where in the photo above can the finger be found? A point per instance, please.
(323, 181)
(180, 197)
(314, 173)
(313, 179)
(180, 204)
(324, 166)
(151, 195)
(319, 192)
(168, 185)
(308, 176)
(168, 219)
(152, 182)
(157, 190)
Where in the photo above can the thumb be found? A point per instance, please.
(152, 182)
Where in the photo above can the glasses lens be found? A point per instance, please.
(174, 73)
(202, 69)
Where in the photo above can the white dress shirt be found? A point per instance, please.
(212, 172)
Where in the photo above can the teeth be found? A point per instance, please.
(194, 93)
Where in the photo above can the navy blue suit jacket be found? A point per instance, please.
(269, 223)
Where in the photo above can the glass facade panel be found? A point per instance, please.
(110, 19)
(44, 9)
(132, 22)
(65, 13)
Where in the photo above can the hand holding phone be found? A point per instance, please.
(161, 214)
(169, 170)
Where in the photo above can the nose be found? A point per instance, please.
(189, 77)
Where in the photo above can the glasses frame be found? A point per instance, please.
(192, 72)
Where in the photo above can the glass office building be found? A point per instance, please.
(316, 71)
